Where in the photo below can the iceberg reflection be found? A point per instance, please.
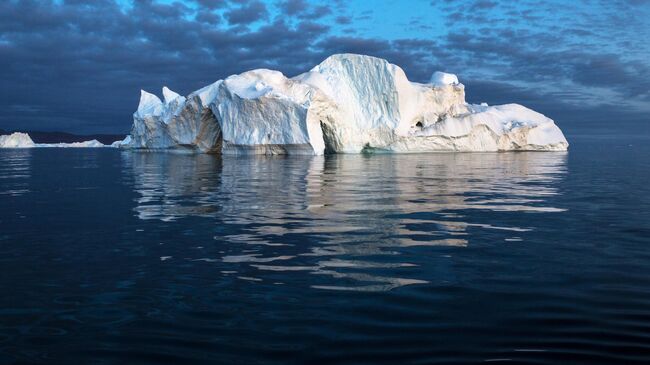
(173, 185)
(352, 218)
(15, 171)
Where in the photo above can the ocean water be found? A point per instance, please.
(152, 258)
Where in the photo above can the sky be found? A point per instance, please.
(78, 66)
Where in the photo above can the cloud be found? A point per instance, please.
(301, 9)
(610, 71)
(211, 4)
(249, 12)
(208, 17)
(79, 65)
(294, 7)
(343, 20)
(484, 4)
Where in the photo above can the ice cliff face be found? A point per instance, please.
(348, 103)
(178, 122)
(262, 111)
(123, 143)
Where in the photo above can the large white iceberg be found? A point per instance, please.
(348, 104)
(23, 140)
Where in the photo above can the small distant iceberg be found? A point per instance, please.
(16, 140)
(347, 104)
(23, 140)
(92, 143)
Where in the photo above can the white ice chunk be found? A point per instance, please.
(442, 78)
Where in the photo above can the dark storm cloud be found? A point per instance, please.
(531, 57)
(81, 65)
(211, 4)
(78, 66)
(484, 4)
(319, 12)
(208, 17)
(631, 79)
(303, 10)
(343, 20)
(248, 12)
(596, 51)
(294, 7)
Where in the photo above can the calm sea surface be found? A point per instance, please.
(118, 257)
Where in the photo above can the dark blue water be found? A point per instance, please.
(117, 257)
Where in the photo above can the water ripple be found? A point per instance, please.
(117, 257)
(343, 207)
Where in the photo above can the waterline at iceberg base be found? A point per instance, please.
(347, 104)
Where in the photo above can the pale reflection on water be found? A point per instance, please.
(347, 211)
(15, 171)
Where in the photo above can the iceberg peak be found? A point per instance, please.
(207, 93)
(169, 95)
(149, 104)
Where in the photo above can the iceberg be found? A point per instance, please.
(87, 144)
(16, 140)
(178, 122)
(347, 104)
(23, 140)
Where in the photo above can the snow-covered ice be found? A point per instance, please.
(442, 78)
(348, 104)
(262, 111)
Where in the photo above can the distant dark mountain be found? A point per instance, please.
(56, 137)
